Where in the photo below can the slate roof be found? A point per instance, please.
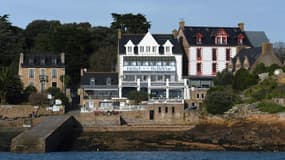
(256, 38)
(209, 33)
(160, 39)
(42, 61)
(251, 53)
(100, 78)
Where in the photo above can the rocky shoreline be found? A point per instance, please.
(260, 133)
(254, 133)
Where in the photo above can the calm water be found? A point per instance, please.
(194, 155)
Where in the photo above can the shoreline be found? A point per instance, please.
(254, 133)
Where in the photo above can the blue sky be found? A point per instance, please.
(259, 15)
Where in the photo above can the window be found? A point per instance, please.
(145, 63)
(139, 63)
(92, 81)
(158, 63)
(198, 96)
(153, 77)
(199, 57)
(214, 54)
(145, 77)
(133, 63)
(202, 96)
(53, 84)
(199, 37)
(31, 84)
(141, 49)
(126, 63)
(214, 68)
(199, 68)
(240, 39)
(42, 61)
(108, 81)
(31, 60)
(31, 73)
(166, 109)
(167, 49)
(153, 49)
(54, 73)
(130, 49)
(43, 72)
(159, 109)
(53, 61)
(159, 77)
(228, 54)
(173, 110)
(147, 49)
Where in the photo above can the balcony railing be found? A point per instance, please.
(43, 78)
(99, 86)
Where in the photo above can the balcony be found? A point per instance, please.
(99, 86)
(43, 78)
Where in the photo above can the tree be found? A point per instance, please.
(137, 96)
(130, 23)
(11, 41)
(28, 91)
(218, 102)
(243, 80)
(103, 60)
(223, 78)
(259, 68)
(11, 87)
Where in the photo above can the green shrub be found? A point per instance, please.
(270, 107)
(218, 102)
(243, 80)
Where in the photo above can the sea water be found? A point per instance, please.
(192, 155)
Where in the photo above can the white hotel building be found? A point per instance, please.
(151, 63)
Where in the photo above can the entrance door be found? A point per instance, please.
(151, 114)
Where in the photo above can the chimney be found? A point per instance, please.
(182, 24)
(267, 48)
(174, 33)
(21, 60)
(62, 59)
(241, 26)
(119, 34)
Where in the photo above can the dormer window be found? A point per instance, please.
(31, 60)
(53, 61)
(199, 37)
(129, 47)
(108, 81)
(42, 61)
(168, 47)
(240, 39)
(154, 49)
(92, 81)
(221, 37)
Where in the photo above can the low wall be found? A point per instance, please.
(18, 111)
(92, 119)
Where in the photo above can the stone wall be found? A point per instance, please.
(24, 76)
(94, 119)
(20, 111)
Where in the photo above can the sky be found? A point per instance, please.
(164, 15)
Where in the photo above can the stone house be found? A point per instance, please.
(42, 70)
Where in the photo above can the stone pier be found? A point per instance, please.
(50, 135)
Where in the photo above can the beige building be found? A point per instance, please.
(249, 58)
(42, 71)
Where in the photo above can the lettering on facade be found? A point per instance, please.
(149, 68)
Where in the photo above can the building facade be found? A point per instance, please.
(151, 63)
(98, 90)
(209, 50)
(42, 71)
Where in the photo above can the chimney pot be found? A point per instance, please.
(174, 33)
(182, 24)
(241, 26)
